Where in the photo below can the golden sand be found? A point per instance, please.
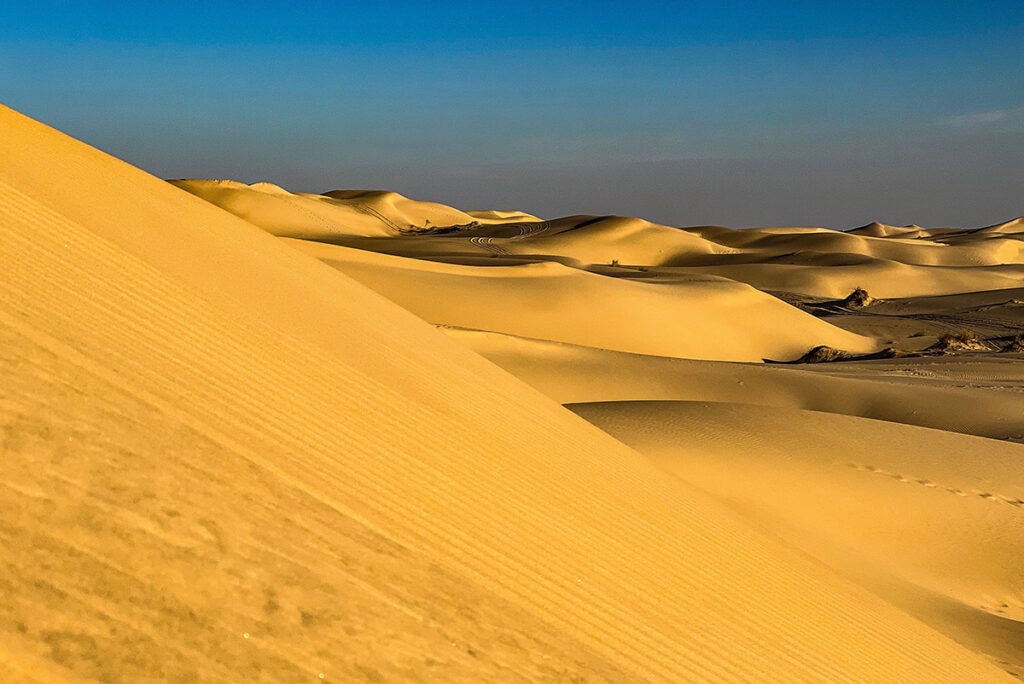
(238, 448)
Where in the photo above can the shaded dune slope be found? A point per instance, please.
(224, 460)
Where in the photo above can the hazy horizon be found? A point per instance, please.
(782, 113)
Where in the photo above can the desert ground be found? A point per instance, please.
(259, 435)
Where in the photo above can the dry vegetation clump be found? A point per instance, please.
(960, 341)
(823, 354)
(1016, 345)
(858, 299)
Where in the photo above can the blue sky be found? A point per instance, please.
(738, 113)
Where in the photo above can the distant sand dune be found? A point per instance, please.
(691, 317)
(338, 213)
(876, 229)
(889, 261)
(901, 392)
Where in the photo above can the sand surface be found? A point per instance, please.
(238, 446)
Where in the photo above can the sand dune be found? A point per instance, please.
(928, 392)
(894, 246)
(876, 229)
(1014, 226)
(609, 239)
(360, 213)
(887, 260)
(930, 520)
(883, 278)
(224, 461)
(690, 317)
(645, 323)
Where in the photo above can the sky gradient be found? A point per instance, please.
(753, 113)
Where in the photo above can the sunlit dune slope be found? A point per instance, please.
(889, 261)
(599, 240)
(340, 215)
(335, 214)
(501, 216)
(690, 317)
(1013, 226)
(876, 229)
(984, 250)
(933, 521)
(225, 461)
(834, 278)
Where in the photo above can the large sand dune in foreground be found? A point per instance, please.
(227, 461)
